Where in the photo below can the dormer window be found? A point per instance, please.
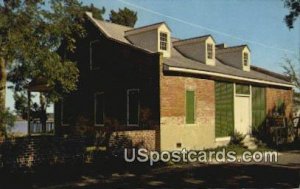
(245, 60)
(209, 51)
(163, 41)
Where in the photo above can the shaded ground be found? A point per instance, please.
(113, 174)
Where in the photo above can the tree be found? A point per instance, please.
(30, 35)
(292, 71)
(97, 13)
(294, 10)
(124, 17)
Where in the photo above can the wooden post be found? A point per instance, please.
(28, 111)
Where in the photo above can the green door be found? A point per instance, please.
(224, 109)
(258, 107)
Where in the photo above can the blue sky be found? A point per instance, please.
(258, 23)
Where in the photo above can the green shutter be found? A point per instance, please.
(190, 107)
(258, 107)
(224, 109)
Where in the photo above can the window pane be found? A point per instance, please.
(133, 107)
(245, 59)
(242, 89)
(209, 51)
(190, 107)
(99, 109)
(163, 41)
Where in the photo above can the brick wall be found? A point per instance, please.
(29, 152)
(141, 139)
(174, 130)
(274, 95)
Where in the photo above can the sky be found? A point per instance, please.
(257, 23)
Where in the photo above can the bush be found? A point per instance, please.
(236, 138)
(7, 120)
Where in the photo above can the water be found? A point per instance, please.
(20, 128)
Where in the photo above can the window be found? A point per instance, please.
(245, 59)
(242, 89)
(65, 111)
(209, 51)
(163, 41)
(133, 107)
(190, 107)
(99, 109)
(95, 55)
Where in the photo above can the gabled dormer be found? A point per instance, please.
(201, 49)
(236, 56)
(155, 37)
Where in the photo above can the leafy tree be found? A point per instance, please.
(124, 17)
(30, 35)
(7, 119)
(294, 10)
(97, 13)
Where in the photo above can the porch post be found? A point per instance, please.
(28, 111)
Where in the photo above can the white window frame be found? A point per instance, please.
(62, 114)
(91, 55)
(247, 63)
(160, 41)
(95, 108)
(128, 124)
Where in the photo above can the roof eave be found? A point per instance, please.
(225, 76)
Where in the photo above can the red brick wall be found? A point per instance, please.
(140, 138)
(173, 96)
(273, 95)
(174, 132)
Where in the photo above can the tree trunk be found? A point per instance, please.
(2, 84)
(2, 91)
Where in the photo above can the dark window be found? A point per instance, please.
(66, 113)
(242, 89)
(133, 106)
(245, 60)
(190, 107)
(209, 51)
(95, 55)
(163, 41)
(99, 108)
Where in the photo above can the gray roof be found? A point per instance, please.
(117, 32)
(180, 61)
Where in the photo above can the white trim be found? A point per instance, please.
(62, 114)
(220, 139)
(128, 124)
(95, 107)
(91, 55)
(186, 70)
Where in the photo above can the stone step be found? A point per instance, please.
(250, 142)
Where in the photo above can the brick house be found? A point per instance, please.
(166, 93)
